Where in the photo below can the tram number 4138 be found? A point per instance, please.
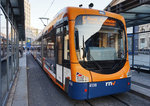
(93, 85)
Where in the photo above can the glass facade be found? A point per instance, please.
(8, 57)
(3, 35)
(4, 76)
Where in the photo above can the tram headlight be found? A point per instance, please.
(81, 78)
(129, 73)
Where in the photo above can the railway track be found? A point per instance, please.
(48, 97)
(122, 101)
(112, 96)
(118, 98)
(88, 102)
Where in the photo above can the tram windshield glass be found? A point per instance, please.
(99, 38)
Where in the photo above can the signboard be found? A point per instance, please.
(28, 44)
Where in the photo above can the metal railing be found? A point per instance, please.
(141, 60)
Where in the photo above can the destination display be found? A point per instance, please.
(97, 20)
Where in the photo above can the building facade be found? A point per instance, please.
(35, 32)
(144, 38)
(30, 32)
(27, 18)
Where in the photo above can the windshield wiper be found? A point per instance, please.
(99, 67)
(84, 53)
(116, 65)
(83, 48)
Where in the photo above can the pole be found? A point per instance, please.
(149, 59)
(21, 48)
(42, 50)
(17, 44)
(11, 52)
(133, 47)
(15, 55)
(0, 67)
(7, 37)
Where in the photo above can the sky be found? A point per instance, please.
(49, 8)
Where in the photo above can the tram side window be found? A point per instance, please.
(45, 47)
(50, 49)
(59, 49)
(66, 44)
(57, 30)
(50, 46)
(61, 29)
(38, 49)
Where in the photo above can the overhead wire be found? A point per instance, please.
(49, 8)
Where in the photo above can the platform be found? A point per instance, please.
(19, 92)
(140, 83)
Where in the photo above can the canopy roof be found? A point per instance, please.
(16, 15)
(135, 12)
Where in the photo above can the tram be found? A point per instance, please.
(84, 51)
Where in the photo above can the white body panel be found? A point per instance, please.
(39, 60)
(50, 71)
(67, 73)
(59, 72)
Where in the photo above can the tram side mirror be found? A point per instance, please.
(76, 39)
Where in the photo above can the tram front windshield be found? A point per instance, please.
(99, 38)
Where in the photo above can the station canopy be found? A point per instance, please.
(135, 12)
(16, 15)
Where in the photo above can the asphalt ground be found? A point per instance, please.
(43, 92)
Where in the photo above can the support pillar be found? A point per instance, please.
(7, 37)
(42, 51)
(21, 47)
(0, 68)
(12, 71)
(133, 47)
(17, 50)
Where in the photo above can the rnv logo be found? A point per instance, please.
(110, 83)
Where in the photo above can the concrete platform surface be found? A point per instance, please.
(19, 92)
(141, 83)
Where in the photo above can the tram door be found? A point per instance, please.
(62, 54)
(59, 55)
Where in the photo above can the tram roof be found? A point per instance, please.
(135, 12)
(16, 15)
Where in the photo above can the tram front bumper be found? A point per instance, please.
(88, 90)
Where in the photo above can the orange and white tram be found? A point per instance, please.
(84, 51)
